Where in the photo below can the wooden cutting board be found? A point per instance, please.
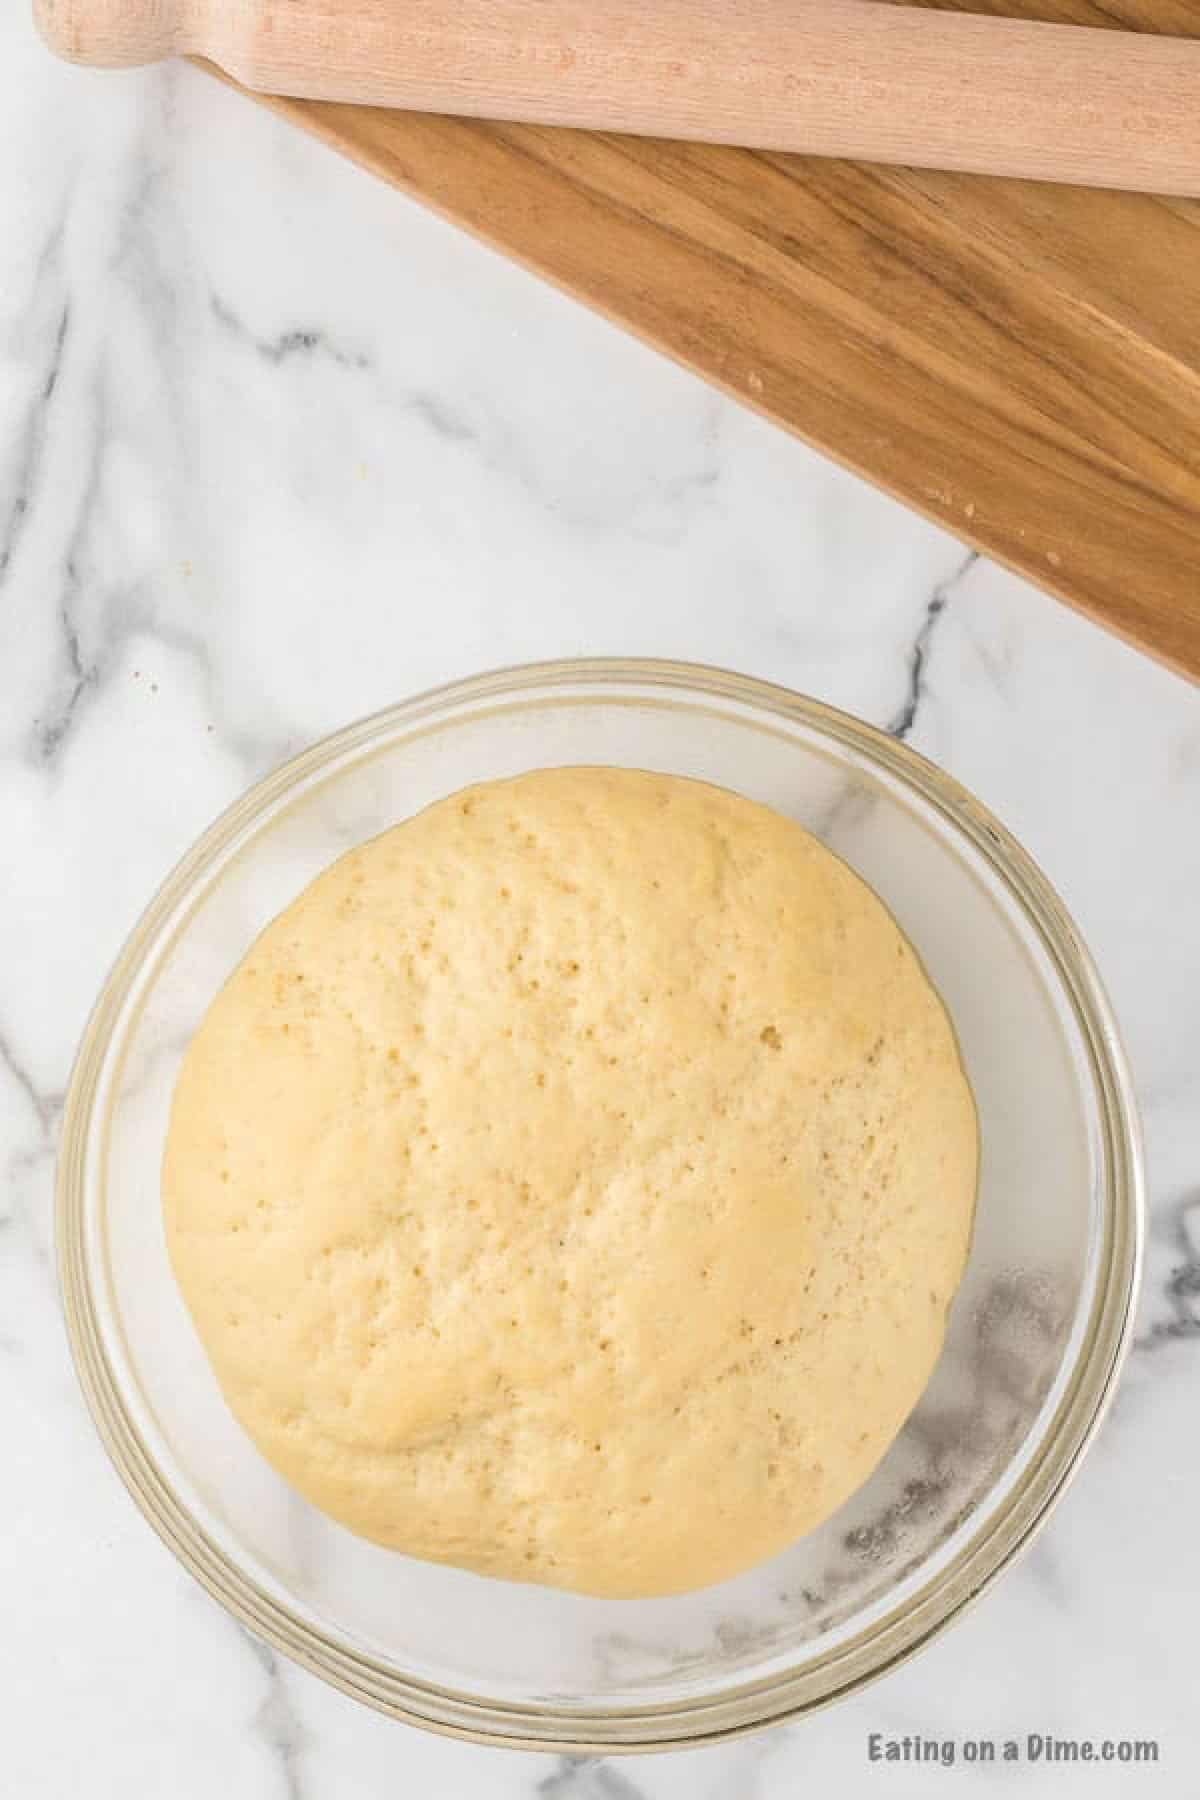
(1019, 362)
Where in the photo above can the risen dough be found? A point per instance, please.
(572, 1183)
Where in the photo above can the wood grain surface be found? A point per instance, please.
(1020, 362)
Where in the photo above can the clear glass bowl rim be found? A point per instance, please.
(889, 1641)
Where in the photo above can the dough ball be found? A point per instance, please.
(572, 1183)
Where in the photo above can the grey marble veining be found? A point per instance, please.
(276, 448)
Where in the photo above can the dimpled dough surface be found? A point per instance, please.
(571, 1184)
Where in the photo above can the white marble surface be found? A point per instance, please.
(277, 447)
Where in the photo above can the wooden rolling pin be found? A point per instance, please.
(828, 77)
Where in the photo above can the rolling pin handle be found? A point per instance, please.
(122, 35)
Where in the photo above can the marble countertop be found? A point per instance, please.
(277, 447)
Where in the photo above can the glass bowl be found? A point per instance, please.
(1036, 1333)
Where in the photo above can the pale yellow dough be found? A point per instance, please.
(572, 1183)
